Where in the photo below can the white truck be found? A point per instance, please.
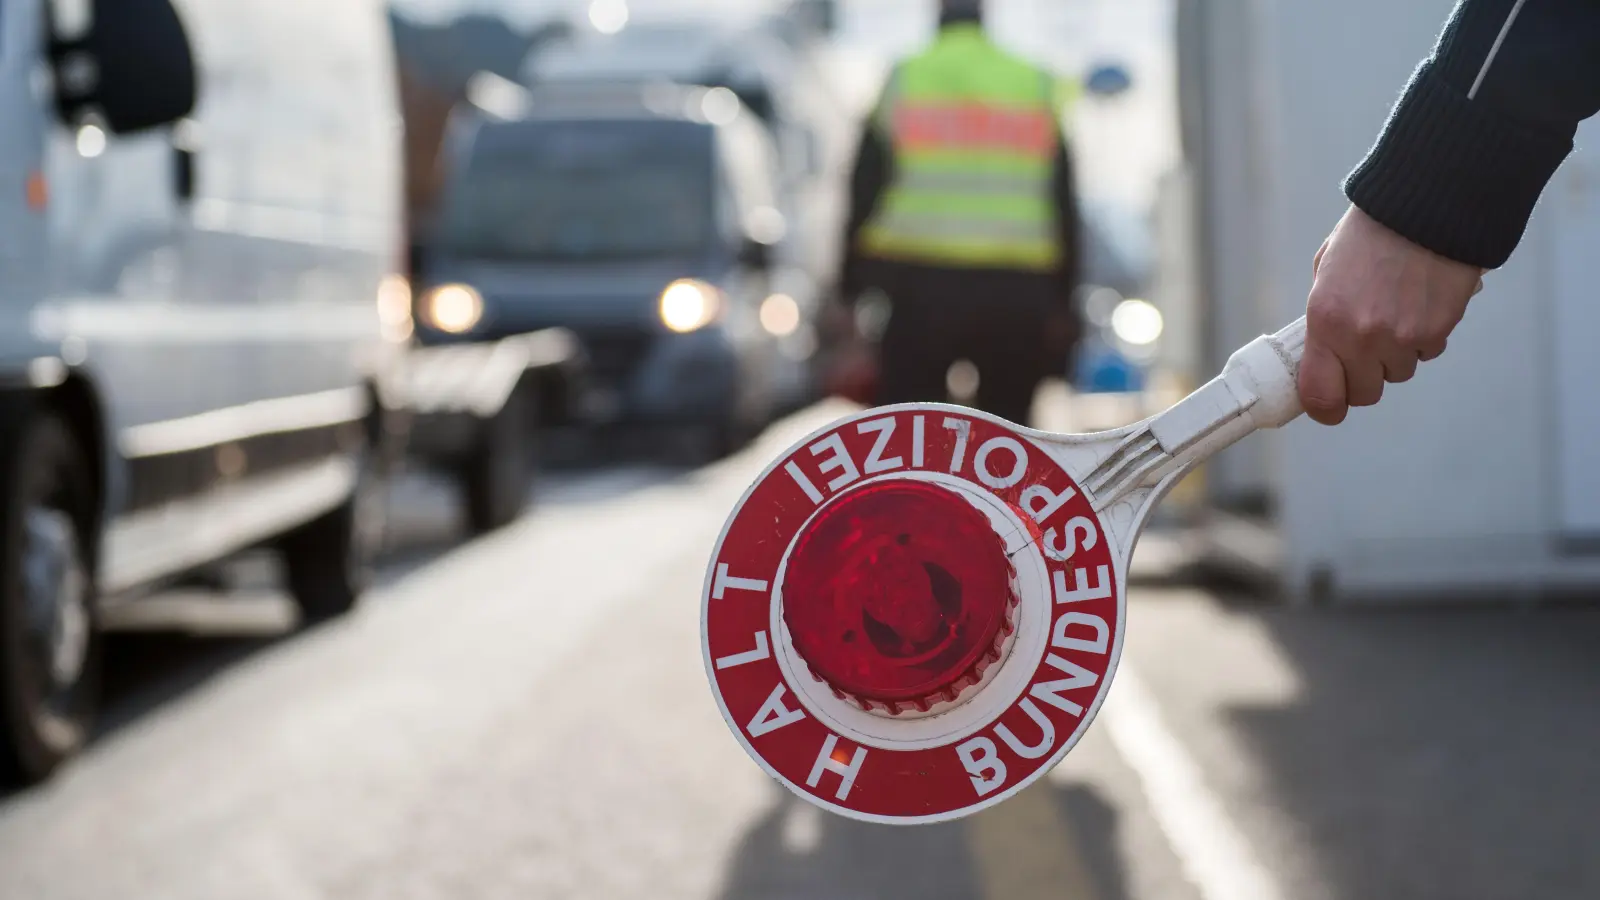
(204, 321)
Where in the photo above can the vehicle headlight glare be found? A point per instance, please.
(780, 315)
(1137, 322)
(394, 307)
(454, 308)
(688, 305)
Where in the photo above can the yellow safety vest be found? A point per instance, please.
(974, 133)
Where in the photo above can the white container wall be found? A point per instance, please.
(1477, 477)
(1224, 140)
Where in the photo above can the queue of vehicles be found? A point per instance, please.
(225, 326)
(229, 318)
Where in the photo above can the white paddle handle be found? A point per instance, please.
(1257, 389)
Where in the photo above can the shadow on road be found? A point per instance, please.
(144, 671)
(1446, 753)
(426, 518)
(1052, 841)
(180, 640)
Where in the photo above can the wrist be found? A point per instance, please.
(1453, 176)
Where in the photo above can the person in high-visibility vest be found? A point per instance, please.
(963, 212)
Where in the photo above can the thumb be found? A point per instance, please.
(1322, 385)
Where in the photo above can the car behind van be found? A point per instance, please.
(642, 219)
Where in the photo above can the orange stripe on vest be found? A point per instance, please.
(973, 126)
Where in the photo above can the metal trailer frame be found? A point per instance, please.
(475, 410)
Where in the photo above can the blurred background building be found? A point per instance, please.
(1204, 184)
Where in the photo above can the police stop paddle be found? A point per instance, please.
(915, 613)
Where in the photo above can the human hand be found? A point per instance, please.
(1379, 305)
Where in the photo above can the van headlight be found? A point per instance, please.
(452, 308)
(690, 305)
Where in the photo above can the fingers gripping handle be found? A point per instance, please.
(1257, 389)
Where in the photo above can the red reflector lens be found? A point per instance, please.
(899, 593)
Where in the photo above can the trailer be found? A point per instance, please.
(475, 412)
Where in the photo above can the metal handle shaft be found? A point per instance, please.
(1257, 389)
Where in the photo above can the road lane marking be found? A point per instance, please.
(1026, 848)
(1214, 853)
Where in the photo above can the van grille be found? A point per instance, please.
(615, 354)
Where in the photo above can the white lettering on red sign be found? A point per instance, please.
(1098, 590)
(1052, 704)
(1050, 691)
(840, 460)
(1047, 733)
(1019, 463)
(1096, 644)
(1089, 538)
(804, 482)
(1042, 503)
(725, 582)
(773, 714)
(963, 430)
(983, 764)
(749, 656)
(875, 462)
(847, 772)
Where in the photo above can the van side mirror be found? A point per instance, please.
(132, 65)
(185, 147)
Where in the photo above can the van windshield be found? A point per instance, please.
(582, 191)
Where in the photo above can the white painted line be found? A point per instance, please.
(1215, 854)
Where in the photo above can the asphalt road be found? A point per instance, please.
(526, 717)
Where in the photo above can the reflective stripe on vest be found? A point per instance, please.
(989, 184)
(974, 126)
(974, 136)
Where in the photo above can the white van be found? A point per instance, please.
(199, 214)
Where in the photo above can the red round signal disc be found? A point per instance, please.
(898, 594)
(912, 615)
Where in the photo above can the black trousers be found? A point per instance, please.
(1000, 321)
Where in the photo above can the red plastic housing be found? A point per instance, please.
(899, 594)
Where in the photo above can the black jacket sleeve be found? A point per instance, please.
(1483, 125)
(874, 170)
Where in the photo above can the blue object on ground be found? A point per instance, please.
(1102, 370)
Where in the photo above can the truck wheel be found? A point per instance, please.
(328, 561)
(499, 476)
(49, 642)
